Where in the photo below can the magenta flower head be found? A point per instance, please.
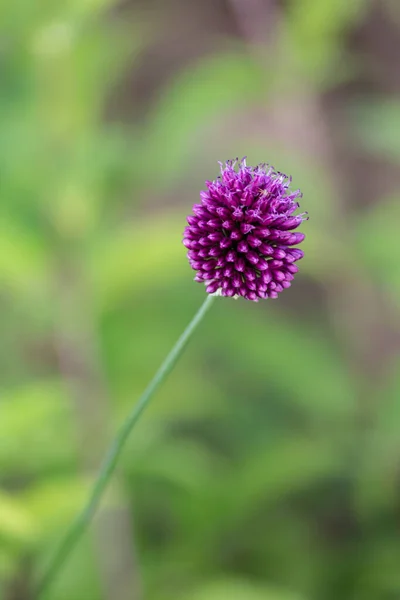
(240, 238)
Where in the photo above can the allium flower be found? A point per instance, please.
(241, 238)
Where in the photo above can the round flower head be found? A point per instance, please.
(240, 237)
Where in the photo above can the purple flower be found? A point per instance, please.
(240, 237)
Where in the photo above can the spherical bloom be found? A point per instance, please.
(240, 237)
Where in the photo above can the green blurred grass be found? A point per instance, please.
(252, 475)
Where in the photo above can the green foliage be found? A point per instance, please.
(267, 466)
(380, 257)
(34, 417)
(377, 124)
(197, 97)
(237, 590)
(315, 30)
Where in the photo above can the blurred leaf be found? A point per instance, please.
(17, 525)
(377, 476)
(315, 30)
(33, 420)
(295, 358)
(69, 69)
(23, 258)
(273, 473)
(54, 503)
(377, 124)
(183, 463)
(231, 589)
(135, 259)
(213, 85)
(376, 234)
(378, 575)
(87, 8)
(253, 486)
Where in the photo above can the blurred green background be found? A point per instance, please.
(268, 466)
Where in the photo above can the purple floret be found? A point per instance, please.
(240, 238)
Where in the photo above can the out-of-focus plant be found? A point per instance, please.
(251, 475)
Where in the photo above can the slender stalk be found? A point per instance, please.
(82, 521)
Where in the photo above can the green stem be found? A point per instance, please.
(82, 521)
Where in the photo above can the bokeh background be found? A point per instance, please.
(268, 466)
